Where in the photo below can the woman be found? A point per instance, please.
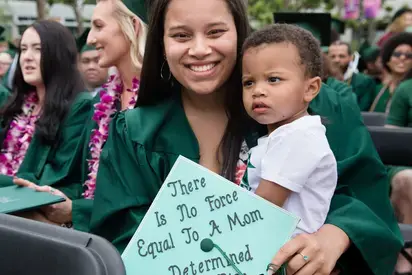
(119, 34)
(401, 22)
(400, 115)
(190, 104)
(44, 115)
(396, 56)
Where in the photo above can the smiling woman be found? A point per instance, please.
(190, 104)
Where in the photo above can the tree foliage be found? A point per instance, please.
(262, 10)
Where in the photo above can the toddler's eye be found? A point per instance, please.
(273, 79)
(247, 83)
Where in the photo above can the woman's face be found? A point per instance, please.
(106, 34)
(30, 57)
(407, 17)
(200, 41)
(401, 59)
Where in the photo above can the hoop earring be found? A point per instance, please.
(161, 73)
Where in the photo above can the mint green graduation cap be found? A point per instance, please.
(138, 7)
(82, 42)
(319, 24)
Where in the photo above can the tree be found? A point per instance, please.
(41, 9)
(262, 10)
(77, 9)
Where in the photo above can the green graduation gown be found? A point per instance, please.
(400, 114)
(81, 207)
(145, 142)
(364, 87)
(344, 90)
(4, 94)
(381, 99)
(50, 164)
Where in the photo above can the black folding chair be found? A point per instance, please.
(374, 119)
(394, 146)
(29, 247)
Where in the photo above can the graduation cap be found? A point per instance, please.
(2, 38)
(319, 24)
(371, 53)
(338, 25)
(138, 7)
(12, 49)
(81, 42)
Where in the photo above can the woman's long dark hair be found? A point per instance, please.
(153, 89)
(61, 78)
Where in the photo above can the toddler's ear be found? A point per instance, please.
(312, 89)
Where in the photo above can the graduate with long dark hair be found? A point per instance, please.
(190, 104)
(44, 115)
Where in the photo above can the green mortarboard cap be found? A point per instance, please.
(12, 49)
(138, 7)
(364, 46)
(325, 49)
(319, 24)
(338, 25)
(82, 42)
(371, 53)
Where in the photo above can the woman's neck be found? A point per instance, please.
(395, 80)
(41, 92)
(213, 102)
(127, 72)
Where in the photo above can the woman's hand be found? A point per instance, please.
(35, 215)
(308, 254)
(58, 213)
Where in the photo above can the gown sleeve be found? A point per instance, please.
(126, 185)
(364, 88)
(58, 170)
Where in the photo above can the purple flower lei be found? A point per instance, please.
(103, 111)
(18, 137)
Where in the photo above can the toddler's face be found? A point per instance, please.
(274, 83)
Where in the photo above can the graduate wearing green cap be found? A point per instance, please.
(94, 76)
(7, 53)
(373, 68)
(4, 45)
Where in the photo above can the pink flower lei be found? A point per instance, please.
(18, 137)
(103, 111)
